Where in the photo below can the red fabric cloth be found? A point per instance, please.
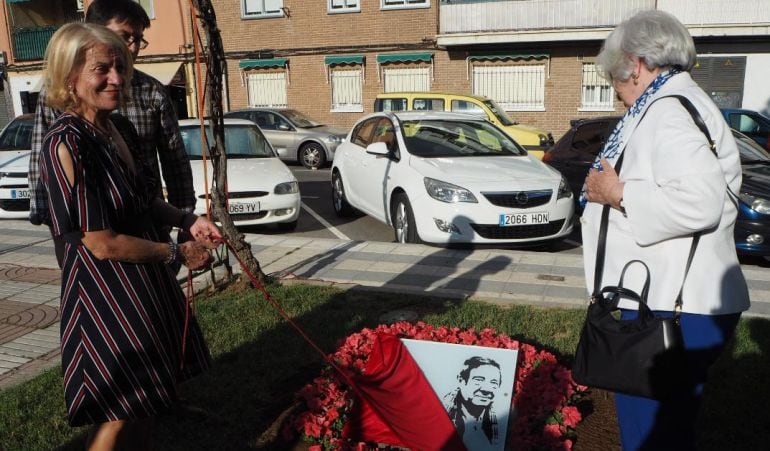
(400, 408)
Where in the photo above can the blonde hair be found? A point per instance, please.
(66, 54)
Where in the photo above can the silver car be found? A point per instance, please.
(294, 136)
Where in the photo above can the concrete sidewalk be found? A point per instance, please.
(29, 282)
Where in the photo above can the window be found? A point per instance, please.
(428, 104)
(346, 90)
(344, 6)
(400, 4)
(747, 124)
(390, 104)
(148, 6)
(267, 90)
(589, 139)
(262, 8)
(407, 79)
(362, 135)
(463, 106)
(386, 133)
(517, 88)
(597, 91)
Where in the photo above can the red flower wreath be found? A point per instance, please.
(545, 394)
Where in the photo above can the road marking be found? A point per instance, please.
(311, 197)
(325, 223)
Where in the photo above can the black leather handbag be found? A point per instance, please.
(644, 356)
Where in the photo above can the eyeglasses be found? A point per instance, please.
(136, 39)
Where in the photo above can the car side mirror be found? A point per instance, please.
(378, 148)
(284, 127)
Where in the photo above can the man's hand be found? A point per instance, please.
(604, 187)
(206, 233)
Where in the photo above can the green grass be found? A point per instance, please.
(260, 361)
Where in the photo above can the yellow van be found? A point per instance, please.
(535, 140)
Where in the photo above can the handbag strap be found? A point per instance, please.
(602, 242)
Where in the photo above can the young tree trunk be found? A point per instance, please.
(215, 62)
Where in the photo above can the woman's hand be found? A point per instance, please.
(604, 187)
(205, 233)
(194, 255)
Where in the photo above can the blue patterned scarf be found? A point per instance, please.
(616, 142)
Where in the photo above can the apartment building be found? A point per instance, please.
(330, 58)
(27, 26)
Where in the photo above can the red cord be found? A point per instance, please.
(258, 285)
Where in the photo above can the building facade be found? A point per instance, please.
(27, 26)
(330, 58)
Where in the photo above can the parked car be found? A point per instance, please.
(752, 227)
(576, 150)
(15, 145)
(752, 124)
(573, 154)
(261, 189)
(448, 178)
(294, 135)
(535, 140)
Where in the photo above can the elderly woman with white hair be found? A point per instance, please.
(670, 187)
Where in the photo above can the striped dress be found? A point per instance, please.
(122, 323)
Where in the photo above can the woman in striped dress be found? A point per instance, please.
(125, 342)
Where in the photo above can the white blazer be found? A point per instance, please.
(675, 186)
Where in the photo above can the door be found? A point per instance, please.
(279, 132)
(376, 171)
(587, 142)
(722, 78)
(355, 159)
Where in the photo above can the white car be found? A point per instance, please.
(15, 145)
(448, 178)
(261, 189)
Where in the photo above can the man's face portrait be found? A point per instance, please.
(481, 386)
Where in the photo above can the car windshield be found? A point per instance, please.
(241, 141)
(433, 138)
(499, 113)
(300, 120)
(17, 136)
(750, 151)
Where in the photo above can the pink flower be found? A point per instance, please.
(312, 429)
(552, 430)
(571, 416)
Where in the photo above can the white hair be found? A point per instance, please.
(655, 37)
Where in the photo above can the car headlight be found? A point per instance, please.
(757, 204)
(446, 192)
(286, 188)
(333, 139)
(564, 190)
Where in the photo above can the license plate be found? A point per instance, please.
(236, 208)
(19, 194)
(518, 219)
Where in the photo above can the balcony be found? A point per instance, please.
(29, 43)
(467, 22)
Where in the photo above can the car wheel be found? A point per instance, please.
(341, 206)
(312, 155)
(403, 221)
(287, 226)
